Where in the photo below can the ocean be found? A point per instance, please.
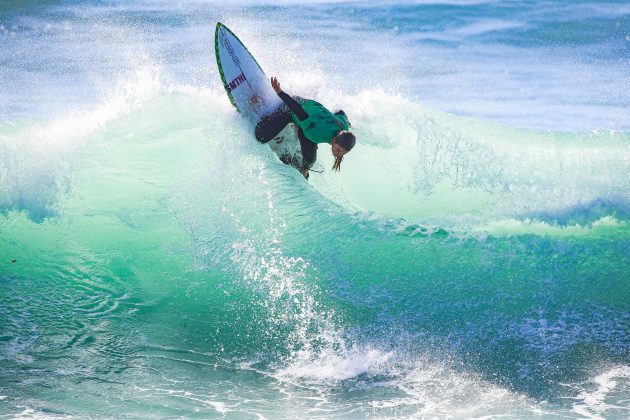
(470, 260)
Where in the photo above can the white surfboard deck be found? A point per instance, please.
(249, 89)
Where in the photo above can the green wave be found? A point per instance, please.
(157, 260)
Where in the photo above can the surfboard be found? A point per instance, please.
(249, 89)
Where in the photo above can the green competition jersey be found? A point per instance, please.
(321, 125)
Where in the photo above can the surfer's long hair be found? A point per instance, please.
(337, 165)
(347, 140)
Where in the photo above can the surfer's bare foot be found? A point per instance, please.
(304, 171)
(254, 100)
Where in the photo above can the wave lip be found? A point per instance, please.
(37, 160)
(438, 169)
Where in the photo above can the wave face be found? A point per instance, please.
(156, 262)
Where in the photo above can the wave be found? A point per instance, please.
(412, 162)
(151, 249)
(450, 257)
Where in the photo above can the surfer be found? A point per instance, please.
(316, 124)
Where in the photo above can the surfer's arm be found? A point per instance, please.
(293, 105)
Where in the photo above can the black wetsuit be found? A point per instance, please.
(271, 125)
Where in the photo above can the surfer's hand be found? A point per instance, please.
(276, 85)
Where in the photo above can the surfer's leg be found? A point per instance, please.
(270, 125)
(291, 160)
(309, 150)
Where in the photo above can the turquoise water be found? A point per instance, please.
(471, 259)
